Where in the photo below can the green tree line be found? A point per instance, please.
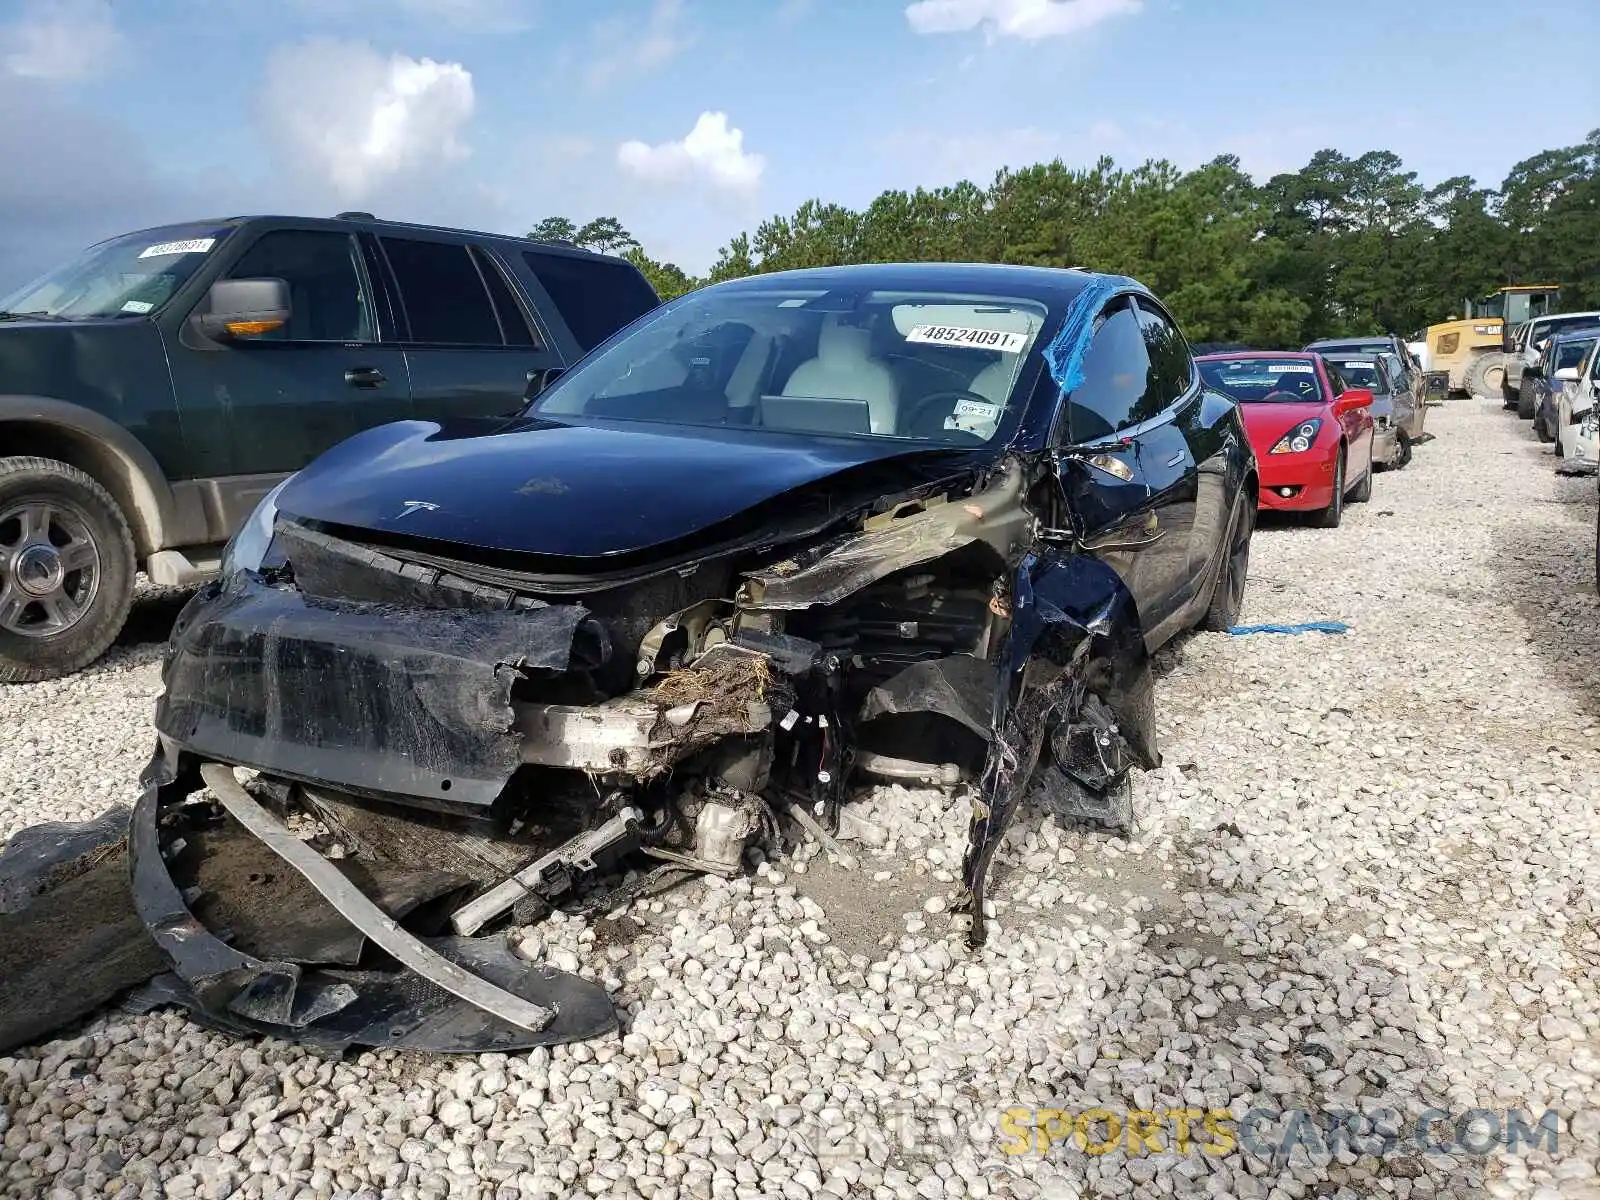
(1341, 246)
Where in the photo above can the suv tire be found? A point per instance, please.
(66, 569)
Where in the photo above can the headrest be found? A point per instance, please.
(837, 340)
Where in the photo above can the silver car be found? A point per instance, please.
(1397, 415)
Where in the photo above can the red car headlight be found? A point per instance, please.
(1299, 439)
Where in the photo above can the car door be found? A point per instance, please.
(1206, 435)
(269, 403)
(470, 346)
(1127, 473)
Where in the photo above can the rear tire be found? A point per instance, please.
(1330, 517)
(1227, 596)
(1362, 492)
(1541, 428)
(66, 569)
(1486, 374)
(1525, 400)
(1404, 457)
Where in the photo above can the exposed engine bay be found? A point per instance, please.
(374, 760)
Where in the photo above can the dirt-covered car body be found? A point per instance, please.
(919, 522)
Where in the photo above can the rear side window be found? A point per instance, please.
(513, 324)
(1118, 389)
(594, 297)
(443, 294)
(1171, 368)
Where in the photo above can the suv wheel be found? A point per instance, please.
(66, 569)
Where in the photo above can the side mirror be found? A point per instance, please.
(244, 308)
(539, 380)
(1353, 399)
(1568, 374)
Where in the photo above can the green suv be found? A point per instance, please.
(153, 390)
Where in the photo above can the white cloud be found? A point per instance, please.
(627, 50)
(1026, 19)
(343, 112)
(713, 151)
(60, 39)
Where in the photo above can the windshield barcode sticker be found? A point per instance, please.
(1297, 368)
(1365, 365)
(192, 246)
(1005, 341)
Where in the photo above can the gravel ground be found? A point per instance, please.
(1365, 879)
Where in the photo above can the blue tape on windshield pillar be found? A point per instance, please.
(1064, 354)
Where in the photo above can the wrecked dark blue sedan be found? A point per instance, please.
(908, 522)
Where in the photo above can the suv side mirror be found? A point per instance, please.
(539, 380)
(242, 308)
(1354, 398)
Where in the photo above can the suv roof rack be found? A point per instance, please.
(354, 216)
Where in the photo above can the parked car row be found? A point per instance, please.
(1323, 420)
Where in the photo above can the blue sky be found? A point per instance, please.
(693, 119)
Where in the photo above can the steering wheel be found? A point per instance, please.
(952, 396)
(1281, 393)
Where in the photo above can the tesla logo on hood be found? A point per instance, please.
(416, 506)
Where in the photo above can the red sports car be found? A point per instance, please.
(1311, 431)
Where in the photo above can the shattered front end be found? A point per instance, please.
(374, 758)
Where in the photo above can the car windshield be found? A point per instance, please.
(1262, 380)
(1361, 373)
(125, 277)
(929, 366)
(1571, 352)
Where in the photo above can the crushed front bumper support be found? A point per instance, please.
(369, 698)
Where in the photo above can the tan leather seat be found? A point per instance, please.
(844, 369)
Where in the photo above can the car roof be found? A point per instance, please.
(1278, 355)
(1051, 284)
(374, 225)
(1371, 339)
(1577, 333)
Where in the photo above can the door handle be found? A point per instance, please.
(365, 377)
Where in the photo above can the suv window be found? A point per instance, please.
(513, 323)
(594, 297)
(1171, 368)
(1118, 388)
(327, 293)
(445, 299)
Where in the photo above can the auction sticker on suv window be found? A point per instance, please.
(1005, 341)
(192, 246)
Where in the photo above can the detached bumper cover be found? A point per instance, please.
(365, 697)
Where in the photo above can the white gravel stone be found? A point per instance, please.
(1365, 878)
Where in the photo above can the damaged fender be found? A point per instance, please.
(1074, 632)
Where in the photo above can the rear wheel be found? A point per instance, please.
(1486, 375)
(1227, 597)
(1330, 517)
(1362, 492)
(66, 569)
(1561, 451)
(1541, 427)
(1404, 457)
(1525, 400)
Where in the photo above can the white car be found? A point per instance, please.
(1578, 417)
(1525, 353)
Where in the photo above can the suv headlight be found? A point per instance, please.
(1299, 439)
(247, 550)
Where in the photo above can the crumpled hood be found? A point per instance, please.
(582, 491)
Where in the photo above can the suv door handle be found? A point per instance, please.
(365, 377)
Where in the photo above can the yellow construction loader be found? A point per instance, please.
(1466, 355)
